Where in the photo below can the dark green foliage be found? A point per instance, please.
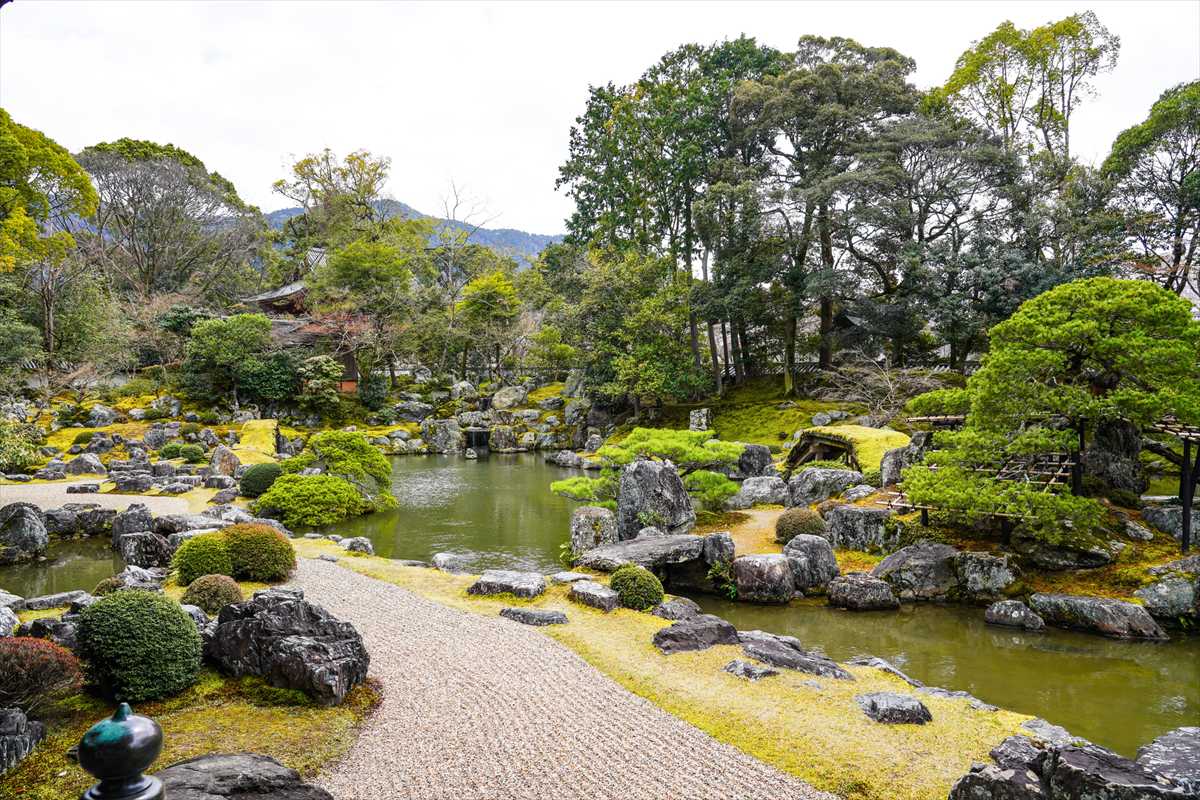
(206, 554)
(940, 402)
(170, 450)
(108, 586)
(36, 673)
(373, 391)
(711, 489)
(209, 417)
(83, 437)
(258, 478)
(191, 453)
(344, 453)
(139, 645)
(873, 477)
(18, 446)
(212, 593)
(189, 428)
(300, 500)
(152, 413)
(795, 521)
(637, 587)
(259, 553)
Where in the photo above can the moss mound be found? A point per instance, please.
(258, 479)
(259, 553)
(796, 521)
(206, 554)
(637, 587)
(212, 593)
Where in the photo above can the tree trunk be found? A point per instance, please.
(826, 234)
(725, 362)
(747, 362)
(789, 354)
(717, 368)
(739, 363)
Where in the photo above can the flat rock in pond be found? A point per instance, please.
(1104, 615)
(593, 594)
(449, 562)
(534, 616)
(504, 581)
(894, 709)
(237, 776)
(695, 633)
(676, 608)
(1013, 614)
(921, 571)
(751, 672)
(1094, 772)
(1176, 755)
(786, 652)
(648, 552)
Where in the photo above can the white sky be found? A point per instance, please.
(480, 93)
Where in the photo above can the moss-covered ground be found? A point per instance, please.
(810, 728)
(869, 443)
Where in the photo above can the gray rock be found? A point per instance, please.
(983, 576)
(224, 461)
(975, 702)
(8, 621)
(63, 632)
(1044, 731)
(413, 410)
(650, 552)
(13, 601)
(83, 488)
(23, 535)
(700, 419)
(748, 671)
(554, 403)
(699, 632)
(100, 416)
(1173, 598)
(504, 581)
(593, 594)
(861, 528)
(576, 411)
(180, 523)
(856, 493)
(290, 643)
(85, 464)
(509, 397)
(575, 384)
(894, 461)
(768, 490)
(567, 459)
(1175, 755)
(922, 571)
(237, 776)
(502, 438)
(1139, 533)
(884, 665)
(534, 616)
(1188, 565)
(133, 482)
(18, 736)
(652, 493)
(358, 544)
(820, 419)
(569, 577)
(58, 600)
(786, 652)
(764, 578)
(649, 533)
(718, 548)
(463, 390)
(812, 561)
(819, 483)
(1082, 554)
(1169, 520)
(754, 462)
(593, 443)
(224, 496)
(592, 527)
(449, 562)
(145, 550)
(858, 591)
(219, 482)
(196, 613)
(1013, 614)
(894, 709)
(61, 522)
(443, 436)
(1093, 773)
(677, 608)
(1103, 615)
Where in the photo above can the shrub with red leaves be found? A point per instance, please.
(36, 673)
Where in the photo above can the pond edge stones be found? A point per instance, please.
(596, 595)
(505, 581)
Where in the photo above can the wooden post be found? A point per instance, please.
(1187, 487)
(1077, 467)
(925, 517)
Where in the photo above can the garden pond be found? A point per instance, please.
(497, 511)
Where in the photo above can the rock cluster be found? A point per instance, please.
(652, 493)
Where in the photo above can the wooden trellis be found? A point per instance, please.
(943, 421)
(1189, 471)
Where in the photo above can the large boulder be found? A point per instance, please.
(145, 550)
(502, 438)
(8, 621)
(921, 571)
(596, 595)
(23, 535)
(134, 519)
(182, 523)
(894, 461)
(443, 436)
(652, 493)
(1104, 615)
(649, 552)
(983, 576)
(412, 411)
(763, 490)
(504, 581)
(1072, 552)
(1175, 755)
(861, 528)
(509, 397)
(787, 652)
(236, 776)
(754, 462)
(858, 591)
(698, 632)
(1013, 614)
(1169, 520)
(1175, 598)
(85, 464)
(290, 643)
(819, 483)
(18, 736)
(766, 578)
(100, 416)
(592, 527)
(224, 461)
(1093, 773)
(812, 561)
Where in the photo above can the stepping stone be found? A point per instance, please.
(894, 709)
(596, 595)
(677, 608)
(786, 652)
(504, 581)
(695, 633)
(569, 577)
(751, 672)
(534, 616)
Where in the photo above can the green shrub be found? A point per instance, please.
(108, 586)
(346, 454)
(212, 593)
(823, 464)
(259, 552)
(258, 478)
(191, 453)
(152, 413)
(299, 500)
(940, 403)
(18, 446)
(873, 477)
(637, 587)
(686, 449)
(37, 673)
(206, 554)
(795, 521)
(170, 450)
(139, 645)
(83, 437)
(712, 489)
(209, 417)
(189, 428)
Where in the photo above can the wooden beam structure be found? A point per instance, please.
(1189, 471)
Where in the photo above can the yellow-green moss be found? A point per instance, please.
(257, 443)
(869, 443)
(545, 393)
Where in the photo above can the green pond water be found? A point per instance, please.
(498, 512)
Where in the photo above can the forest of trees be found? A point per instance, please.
(740, 211)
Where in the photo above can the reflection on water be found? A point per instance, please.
(1117, 694)
(76, 564)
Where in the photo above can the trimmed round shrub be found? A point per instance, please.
(139, 645)
(212, 593)
(84, 437)
(259, 478)
(206, 554)
(191, 453)
(637, 587)
(108, 586)
(795, 521)
(189, 428)
(170, 450)
(259, 552)
(300, 500)
(36, 673)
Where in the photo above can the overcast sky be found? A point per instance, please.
(481, 94)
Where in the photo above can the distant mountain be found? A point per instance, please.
(521, 246)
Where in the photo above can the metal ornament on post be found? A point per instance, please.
(117, 751)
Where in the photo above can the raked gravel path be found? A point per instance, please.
(481, 708)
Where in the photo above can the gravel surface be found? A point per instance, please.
(54, 495)
(484, 708)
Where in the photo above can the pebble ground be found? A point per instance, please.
(481, 708)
